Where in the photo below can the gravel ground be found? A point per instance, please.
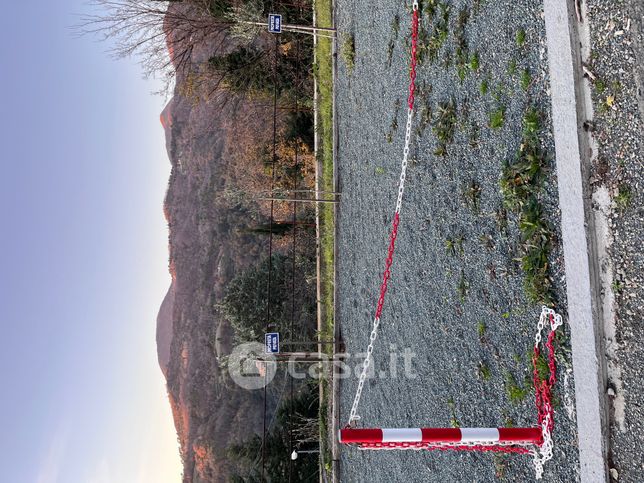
(617, 61)
(440, 299)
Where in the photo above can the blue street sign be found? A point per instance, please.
(274, 23)
(272, 343)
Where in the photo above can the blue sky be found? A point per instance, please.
(84, 258)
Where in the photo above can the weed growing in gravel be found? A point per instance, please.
(473, 196)
(463, 287)
(484, 371)
(623, 197)
(520, 184)
(379, 170)
(497, 118)
(484, 87)
(475, 63)
(395, 30)
(452, 408)
(600, 86)
(462, 51)
(444, 126)
(535, 246)
(520, 37)
(501, 218)
(425, 119)
(498, 92)
(515, 393)
(526, 78)
(481, 328)
(430, 45)
(500, 465)
(512, 67)
(348, 52)
(487, 241)
(454, 245)
(474, 134)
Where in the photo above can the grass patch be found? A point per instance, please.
(484, 87)
(348, 52)
(521, 183)
(462, 288)
(480, 329)
(516, 393)
(454, 245)
(323, 72)
(444, 126)
(473, 196)
(462, 49)
(512, 68)
(485, 372)
(623, 197)
(520, 37)
(475, 62)
(497, 118)
(526, 79)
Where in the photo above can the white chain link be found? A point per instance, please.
(557, 321)
(403, 168)
(353, 416)
(544, 453)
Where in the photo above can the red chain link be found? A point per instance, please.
(412, 73)
(390, 259)
(543, 388)
(394, 228)
(455, 447)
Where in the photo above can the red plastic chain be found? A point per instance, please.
(394, 229)
(455, 447)
(390, 259)
(543, 388)
(414, 48)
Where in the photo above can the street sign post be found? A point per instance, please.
(274, 23)
(272, 343)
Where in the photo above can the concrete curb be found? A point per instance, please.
(568, 113)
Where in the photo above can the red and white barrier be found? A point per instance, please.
(370, 437)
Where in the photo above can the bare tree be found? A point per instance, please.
(161, 34)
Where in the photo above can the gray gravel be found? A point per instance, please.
(617, 60)
(425, 311)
